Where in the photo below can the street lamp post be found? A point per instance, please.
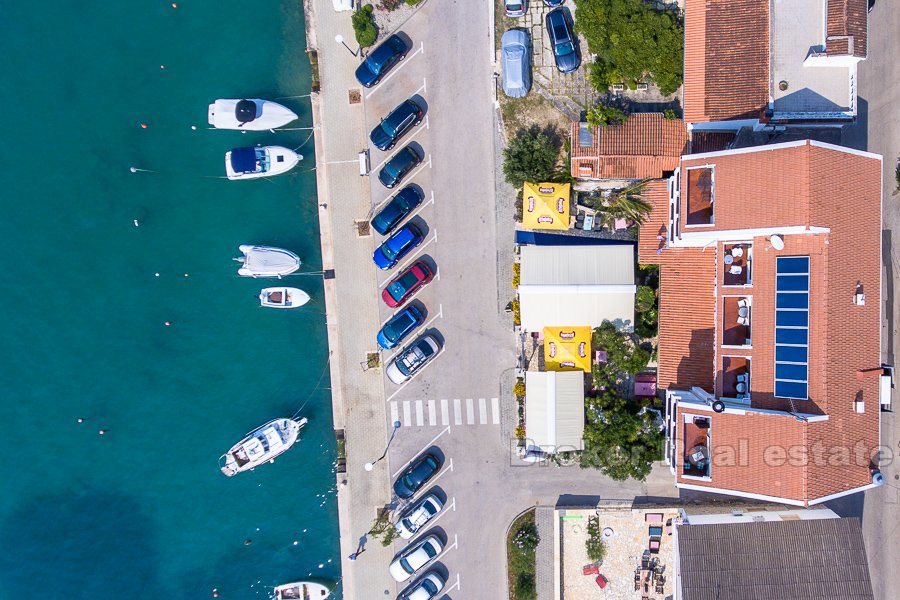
(371, 465)
(340, 40)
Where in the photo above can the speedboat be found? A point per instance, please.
(261, 445)
(259, 161)
(282, 297)
(265, 261)
(302, 590)
(251, 115)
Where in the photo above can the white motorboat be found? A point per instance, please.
(282, 297)
(250, 115)
(302, 590)
(261, 445)
(265, 261)
(259, 161)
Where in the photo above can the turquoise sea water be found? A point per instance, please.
(143, 511)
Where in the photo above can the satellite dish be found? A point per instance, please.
(777, 242)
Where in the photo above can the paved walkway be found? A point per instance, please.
(351, 301)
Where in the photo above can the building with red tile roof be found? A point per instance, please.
(770, 321)
(772, 63)
(647, 145)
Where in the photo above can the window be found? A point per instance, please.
(792, 327)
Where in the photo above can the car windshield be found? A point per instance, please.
(429, 550)
(399, 324)
(429, 587)
(406, 566)
(389, 253)
(514, 7)
(401, 286)
(564, 48)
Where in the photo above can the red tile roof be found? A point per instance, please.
(847, 24)
(726, 59)
(643, 147)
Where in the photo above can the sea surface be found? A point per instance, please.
(143, 511)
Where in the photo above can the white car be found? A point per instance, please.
(412, 358)
(413, 558)
(416, 517)
(515, 8)
(428, 586)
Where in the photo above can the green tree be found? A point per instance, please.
(603, 115)
(644, 298)
(632, 41)
(531, 156)
(619, 442)
(623, 356)
(364, 26)
(627, 203)
(384, 529)
(596, 548)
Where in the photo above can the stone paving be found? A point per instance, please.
(543, 519)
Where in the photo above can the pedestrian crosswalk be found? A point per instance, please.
(440, 413)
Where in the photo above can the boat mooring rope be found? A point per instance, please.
(315, 389)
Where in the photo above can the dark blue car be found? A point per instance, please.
(397, 246)
(562, 41)
(400, 326)
(397, 209)
(416, 475)
(380, 60)
(396, 124)
(400, 164)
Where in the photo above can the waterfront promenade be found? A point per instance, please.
(351, 300)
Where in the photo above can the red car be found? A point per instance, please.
(406, 284)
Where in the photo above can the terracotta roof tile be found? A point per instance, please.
(645, 146)
(726, 59)
(847, 24)
(710, 141)
(656, 194)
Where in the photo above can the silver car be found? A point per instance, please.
(516, 63)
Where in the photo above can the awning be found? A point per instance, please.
(546, 205)
(567, 348)
(554, 410)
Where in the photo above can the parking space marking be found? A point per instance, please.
(395, 412)
(432, 413)
(411, 177)
(482, 411)
(452, 546)
(445, 413)
(443, 512)
(457, 413)
(425, 447)
(420, 416)
(426, 122)
(411, 138)
(495, 411)
(455, 585)
(406, 413)
(409, 260)
(470, 411)
(421, 50)
(424, 85)
(398, 390)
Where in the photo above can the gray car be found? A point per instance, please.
(516, 63)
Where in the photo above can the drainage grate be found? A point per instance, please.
(363, 229)
(355, 96)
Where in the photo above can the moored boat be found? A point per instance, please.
(259, 161)
(266, 261)
(302, 590)
(261, 445)
(251, 115)
(282, 297)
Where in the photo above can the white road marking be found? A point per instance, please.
(452, 546)
(409, 260)
(482, 411)
(435, 317)
(395, 412)
(397, 391)
(411, 177)
(445, 413)
(495, 410)
(420, 416)
(432, 415)
(396, 70)
(429, 161)
(425, 85)
(438, 274)
(406, 413)
(425, 447)
(443, 512)
(426, 122)
(453, 504)
(470, 411)
(457, 412)
(384, 202)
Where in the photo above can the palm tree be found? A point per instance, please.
(627, 203)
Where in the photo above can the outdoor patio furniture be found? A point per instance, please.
(620, 224)
(601, 581)
(654, 546)
(655, 531)
(653, 518)
(743, 378)
(743, 321)
(737, 252)
(591, 569)
(740, 387)
(743, 311)
(669, 521)
(729, 259)
(736, 270)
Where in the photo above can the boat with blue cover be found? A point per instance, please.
(259, 161)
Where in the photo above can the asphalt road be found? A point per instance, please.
(878, 130)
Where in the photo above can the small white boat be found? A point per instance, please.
(259, 161)
(302, 590)
(251, 115)
(282, 297)
(265, 261)
(261, 445)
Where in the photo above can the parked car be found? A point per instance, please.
(396, 124)
(554, 3)
(415, 557)
(400, 164)
(406, 284)
(416, 475)
(416, 517)
(380, 60)
(516, 63)
(397, 209)
(426, 587)
(515, 8)
(412, 359)
(397, 246)
(562, 40)
(399, 326)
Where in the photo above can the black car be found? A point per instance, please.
(417, 475)
(562, 41)
(397, 209)
(400, 164)
(380, 60)
(396, 124)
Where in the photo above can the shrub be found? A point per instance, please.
(517, 274)
(519, 388)
(530, 156)
(596, 547)
(602, 115)
(364, 26)
(517, 312)
(525, 585)
(669, 114)
(413, 2)
(527, 537)
(520, 431)
(644, 299)
(383, 528)
(389, 5)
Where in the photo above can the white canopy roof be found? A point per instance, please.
(554, 410)
(577, 285)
